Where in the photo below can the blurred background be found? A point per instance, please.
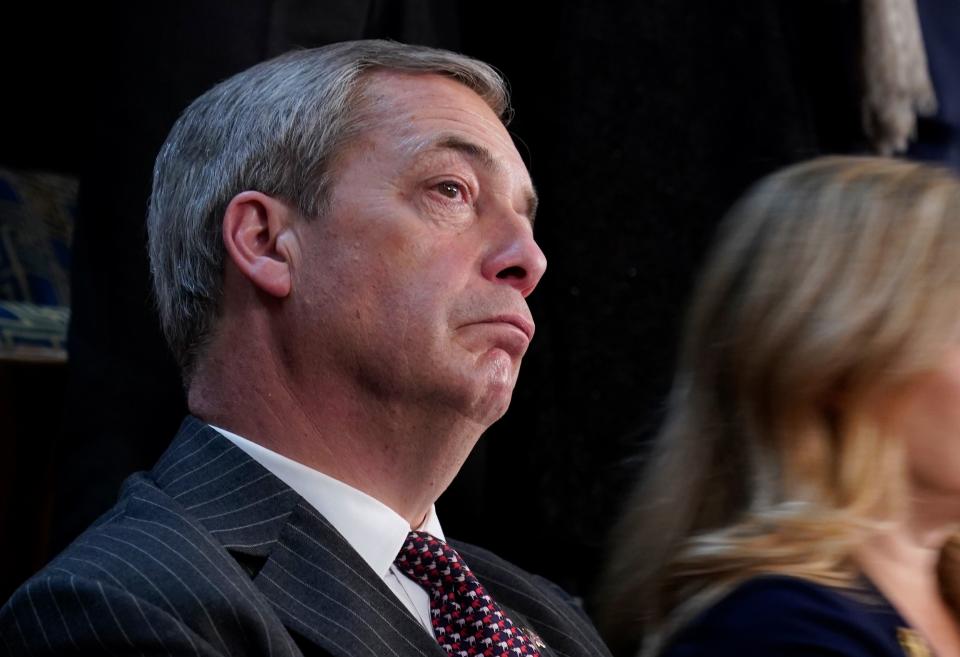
(640, 121)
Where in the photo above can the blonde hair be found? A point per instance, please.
(833, 281)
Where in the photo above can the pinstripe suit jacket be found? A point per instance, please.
(210, 554)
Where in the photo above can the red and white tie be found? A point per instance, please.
(466, 620)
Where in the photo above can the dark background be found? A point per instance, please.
(640, 121)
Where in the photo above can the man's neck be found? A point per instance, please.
(402, 454)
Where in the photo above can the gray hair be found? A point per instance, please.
(276, 128)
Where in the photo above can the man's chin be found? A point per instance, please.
(491, 407)
(499, 366)
(495, 389)
(481, 387)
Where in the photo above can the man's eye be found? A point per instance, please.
(450, 189)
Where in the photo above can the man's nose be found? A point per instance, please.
(516, 259)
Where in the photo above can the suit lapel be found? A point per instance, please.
(523, 624)
(326, 593)
(318, 586)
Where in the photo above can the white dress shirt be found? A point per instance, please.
(371, 528)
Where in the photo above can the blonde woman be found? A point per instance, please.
(804, 491)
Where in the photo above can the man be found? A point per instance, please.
(342, 245)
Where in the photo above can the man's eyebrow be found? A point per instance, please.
(485, 159)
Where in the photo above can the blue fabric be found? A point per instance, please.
(939, 135)
(779, 616)
(37, 213)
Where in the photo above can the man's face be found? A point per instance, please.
(412, 286)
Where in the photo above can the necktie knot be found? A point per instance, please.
(431, 563)
(466, 621)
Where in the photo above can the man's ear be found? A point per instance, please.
(256, 233)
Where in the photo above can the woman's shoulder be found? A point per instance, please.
(781, 615)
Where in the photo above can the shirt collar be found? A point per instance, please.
(373, 529)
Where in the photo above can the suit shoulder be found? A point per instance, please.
(145, 532)
(145, 559)
(780, 615)
(58, 612)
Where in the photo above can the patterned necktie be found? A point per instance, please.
(466, 621)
